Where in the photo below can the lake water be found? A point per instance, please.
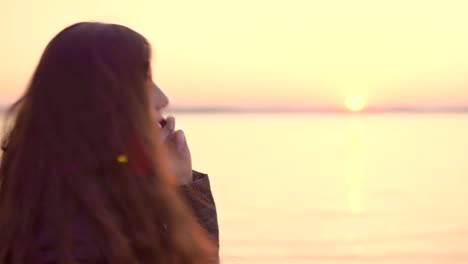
(341, 189)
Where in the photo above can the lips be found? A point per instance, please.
(162, 122)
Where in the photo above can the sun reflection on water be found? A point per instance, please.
(355, 168)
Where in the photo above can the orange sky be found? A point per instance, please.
(263, 52)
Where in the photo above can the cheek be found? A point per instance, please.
(152, 114)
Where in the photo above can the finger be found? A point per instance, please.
(170, 123)
(177, 141)
(181, 140)
(168, 129)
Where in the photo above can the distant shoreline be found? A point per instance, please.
(210, 110)
(317, 111)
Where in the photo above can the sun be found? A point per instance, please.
(355, 103)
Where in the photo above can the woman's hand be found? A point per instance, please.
(179, 158)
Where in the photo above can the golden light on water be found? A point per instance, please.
(356, 171)
(355, 103)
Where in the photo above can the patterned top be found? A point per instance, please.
(202, 202)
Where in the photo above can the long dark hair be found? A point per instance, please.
(71, 153)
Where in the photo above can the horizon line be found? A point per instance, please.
(371, 110)
(318, 110)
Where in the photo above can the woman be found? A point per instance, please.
(83, 174)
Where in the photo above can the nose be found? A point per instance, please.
(160, 99)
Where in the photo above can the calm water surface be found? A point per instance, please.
(336, 188)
